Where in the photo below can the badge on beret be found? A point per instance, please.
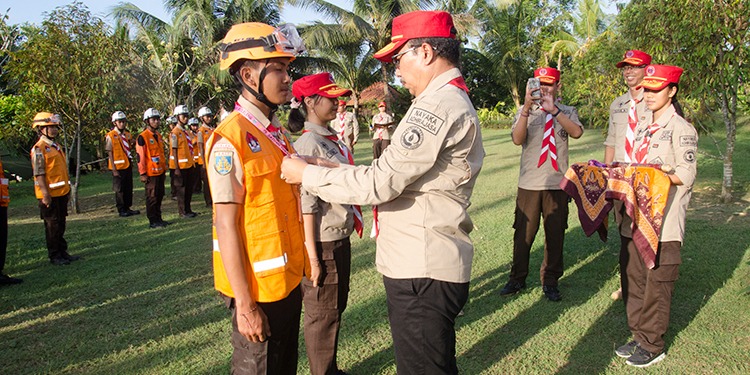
(650, 70)
(542, 72)
(629, 54)
(223, 161)
(412, 138)
(252, 142)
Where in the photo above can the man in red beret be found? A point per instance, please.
(381, 134)
(346, 126)
(624, 115)
(422, 185)
(542, 127)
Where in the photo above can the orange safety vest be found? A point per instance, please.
(273, 237)
(205, 132)
(152, 153)
(55, 168)
(184, 156)
(122, 160)
(4, 194)
(197, 148)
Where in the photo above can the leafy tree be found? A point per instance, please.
(64, 67)
(710, 39)
(587, 23)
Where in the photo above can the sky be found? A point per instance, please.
(31, 11)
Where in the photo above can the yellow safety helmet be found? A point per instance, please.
(259, 41)
(45, 119)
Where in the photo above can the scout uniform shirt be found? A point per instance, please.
(381, 132)
(422, 184)
(618, 122)
(332, 221)
(114, 144)
(346, 127)
(674, 143)
(244, 167)
(545, 177)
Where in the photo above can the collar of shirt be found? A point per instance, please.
(47, 140)
(666, 117)
(317, 129)
(272, 125)
(638, 98)
(438, 82)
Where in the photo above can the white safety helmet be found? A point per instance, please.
(151, 113)
(119, 115)
(180, 110)
(204, 111)
(193, 121)
(171, 120)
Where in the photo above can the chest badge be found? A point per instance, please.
(252, 142)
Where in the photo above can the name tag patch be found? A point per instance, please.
(412, 138)
(688, 141)
(223, 162)
(425, 120)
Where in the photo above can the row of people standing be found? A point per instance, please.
(645, 127)
(187, 138)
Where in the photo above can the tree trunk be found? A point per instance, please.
(728, 102)
(74, 191)
(386, 92)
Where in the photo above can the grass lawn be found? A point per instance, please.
(142, 300)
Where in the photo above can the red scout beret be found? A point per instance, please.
(659, 76)
(321, 84)
(547, 75)
(381, 104)
(417, 24)
(342, 102)
(635, 57)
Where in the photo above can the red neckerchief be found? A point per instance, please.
(548, 143)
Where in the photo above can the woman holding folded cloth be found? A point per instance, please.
(669, 140)
(327, 226)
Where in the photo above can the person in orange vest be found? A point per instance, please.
(119, 144)
(259, 251)
(51, 186)
(152, 166)
(182, 162)
(4, 200)
(171, 122)
(204, 132)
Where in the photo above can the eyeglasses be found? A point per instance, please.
(397, 57)
(633, 67)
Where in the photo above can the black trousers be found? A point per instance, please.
(278, 354)
(378, 146)
(198, 183)
(154, 193)
(3, 236)
(201, 184)
(172, 190)
(647, 293)
(422, 314)
(122, 185)
(552, 205)
(324, 305)
(54, 225)
(183, 185)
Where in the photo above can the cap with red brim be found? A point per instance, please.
(635, 57)
(417, 24)
(318, 84)
(660, 76)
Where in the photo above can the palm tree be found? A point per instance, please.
(588, 22)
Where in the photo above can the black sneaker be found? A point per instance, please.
(71, 258)
(59, 261)
(160, 224)
(133, 212)
(552, 293)
(627, 350)
(125, 214)
(7, 280)
(512, 287)
(644, 358)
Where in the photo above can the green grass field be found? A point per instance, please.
(142, 301)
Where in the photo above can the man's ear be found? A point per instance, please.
(247, 74)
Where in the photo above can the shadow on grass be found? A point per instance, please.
(499, 341)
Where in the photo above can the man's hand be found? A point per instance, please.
(292, 168)
(115, 173)
(177, 172)
(253, 324)
(314, 275)
(548, 102)
(144, 178)
(46, 200)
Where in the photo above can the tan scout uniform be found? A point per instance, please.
(648, 293)
(348, 122)
(421, 184)
(544, 180)
(618, 122)
(381, 136)
(332, 221)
